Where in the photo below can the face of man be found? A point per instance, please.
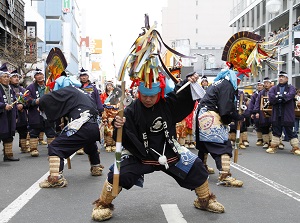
(4, 79)
(84, 78)
(267, 85)
(148, 101)
(15, 79)
(39, 77)
(282, 79)
(260, 87)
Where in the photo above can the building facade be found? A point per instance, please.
(61, 29)
(272, 19)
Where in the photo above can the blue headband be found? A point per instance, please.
(149, 92)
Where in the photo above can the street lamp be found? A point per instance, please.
(273, 6)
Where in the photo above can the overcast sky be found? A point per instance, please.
(118, 23)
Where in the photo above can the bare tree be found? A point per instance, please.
(19, 52)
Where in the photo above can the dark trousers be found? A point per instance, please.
(133, 169)
(216, 150)
(49, 132)
(289, 133)
(22, 130)
(86, 137)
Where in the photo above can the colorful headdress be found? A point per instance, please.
(56, 64)
(144, 64)
(246, 51)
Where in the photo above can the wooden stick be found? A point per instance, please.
(69, 163)
(116, 177)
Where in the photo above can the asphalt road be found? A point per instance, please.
(271, 192)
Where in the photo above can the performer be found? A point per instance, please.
(259, 87)
(264, 122)
(282, 97)
(22, 123)
(8, 115)
(36, 122)
(215, 111)
(148, 138)
(110, 112)
(81, 132)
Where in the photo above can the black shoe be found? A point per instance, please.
(8, 159)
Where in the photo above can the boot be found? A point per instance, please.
(245, 141)
(33, 142)
(281, 146)
(273, 145)
(210, 170)
(103, 207)
(80, 152)
(295, 146)
(8, 154)
(41, 139)
(272, 149)
(55, 179)
(242, 146)
(96, 170)
(24, 147)
(266, 141)
(206, 200)
(259, 141)
(225, 178)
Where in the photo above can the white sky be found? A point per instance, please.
(122, 19)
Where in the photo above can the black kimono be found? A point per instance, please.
(72, 103)
(149, 133)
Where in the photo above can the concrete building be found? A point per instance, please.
(11, 22)
(270, 19)
(61, 29)
(200, 29)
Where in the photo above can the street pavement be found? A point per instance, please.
(271, 192)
